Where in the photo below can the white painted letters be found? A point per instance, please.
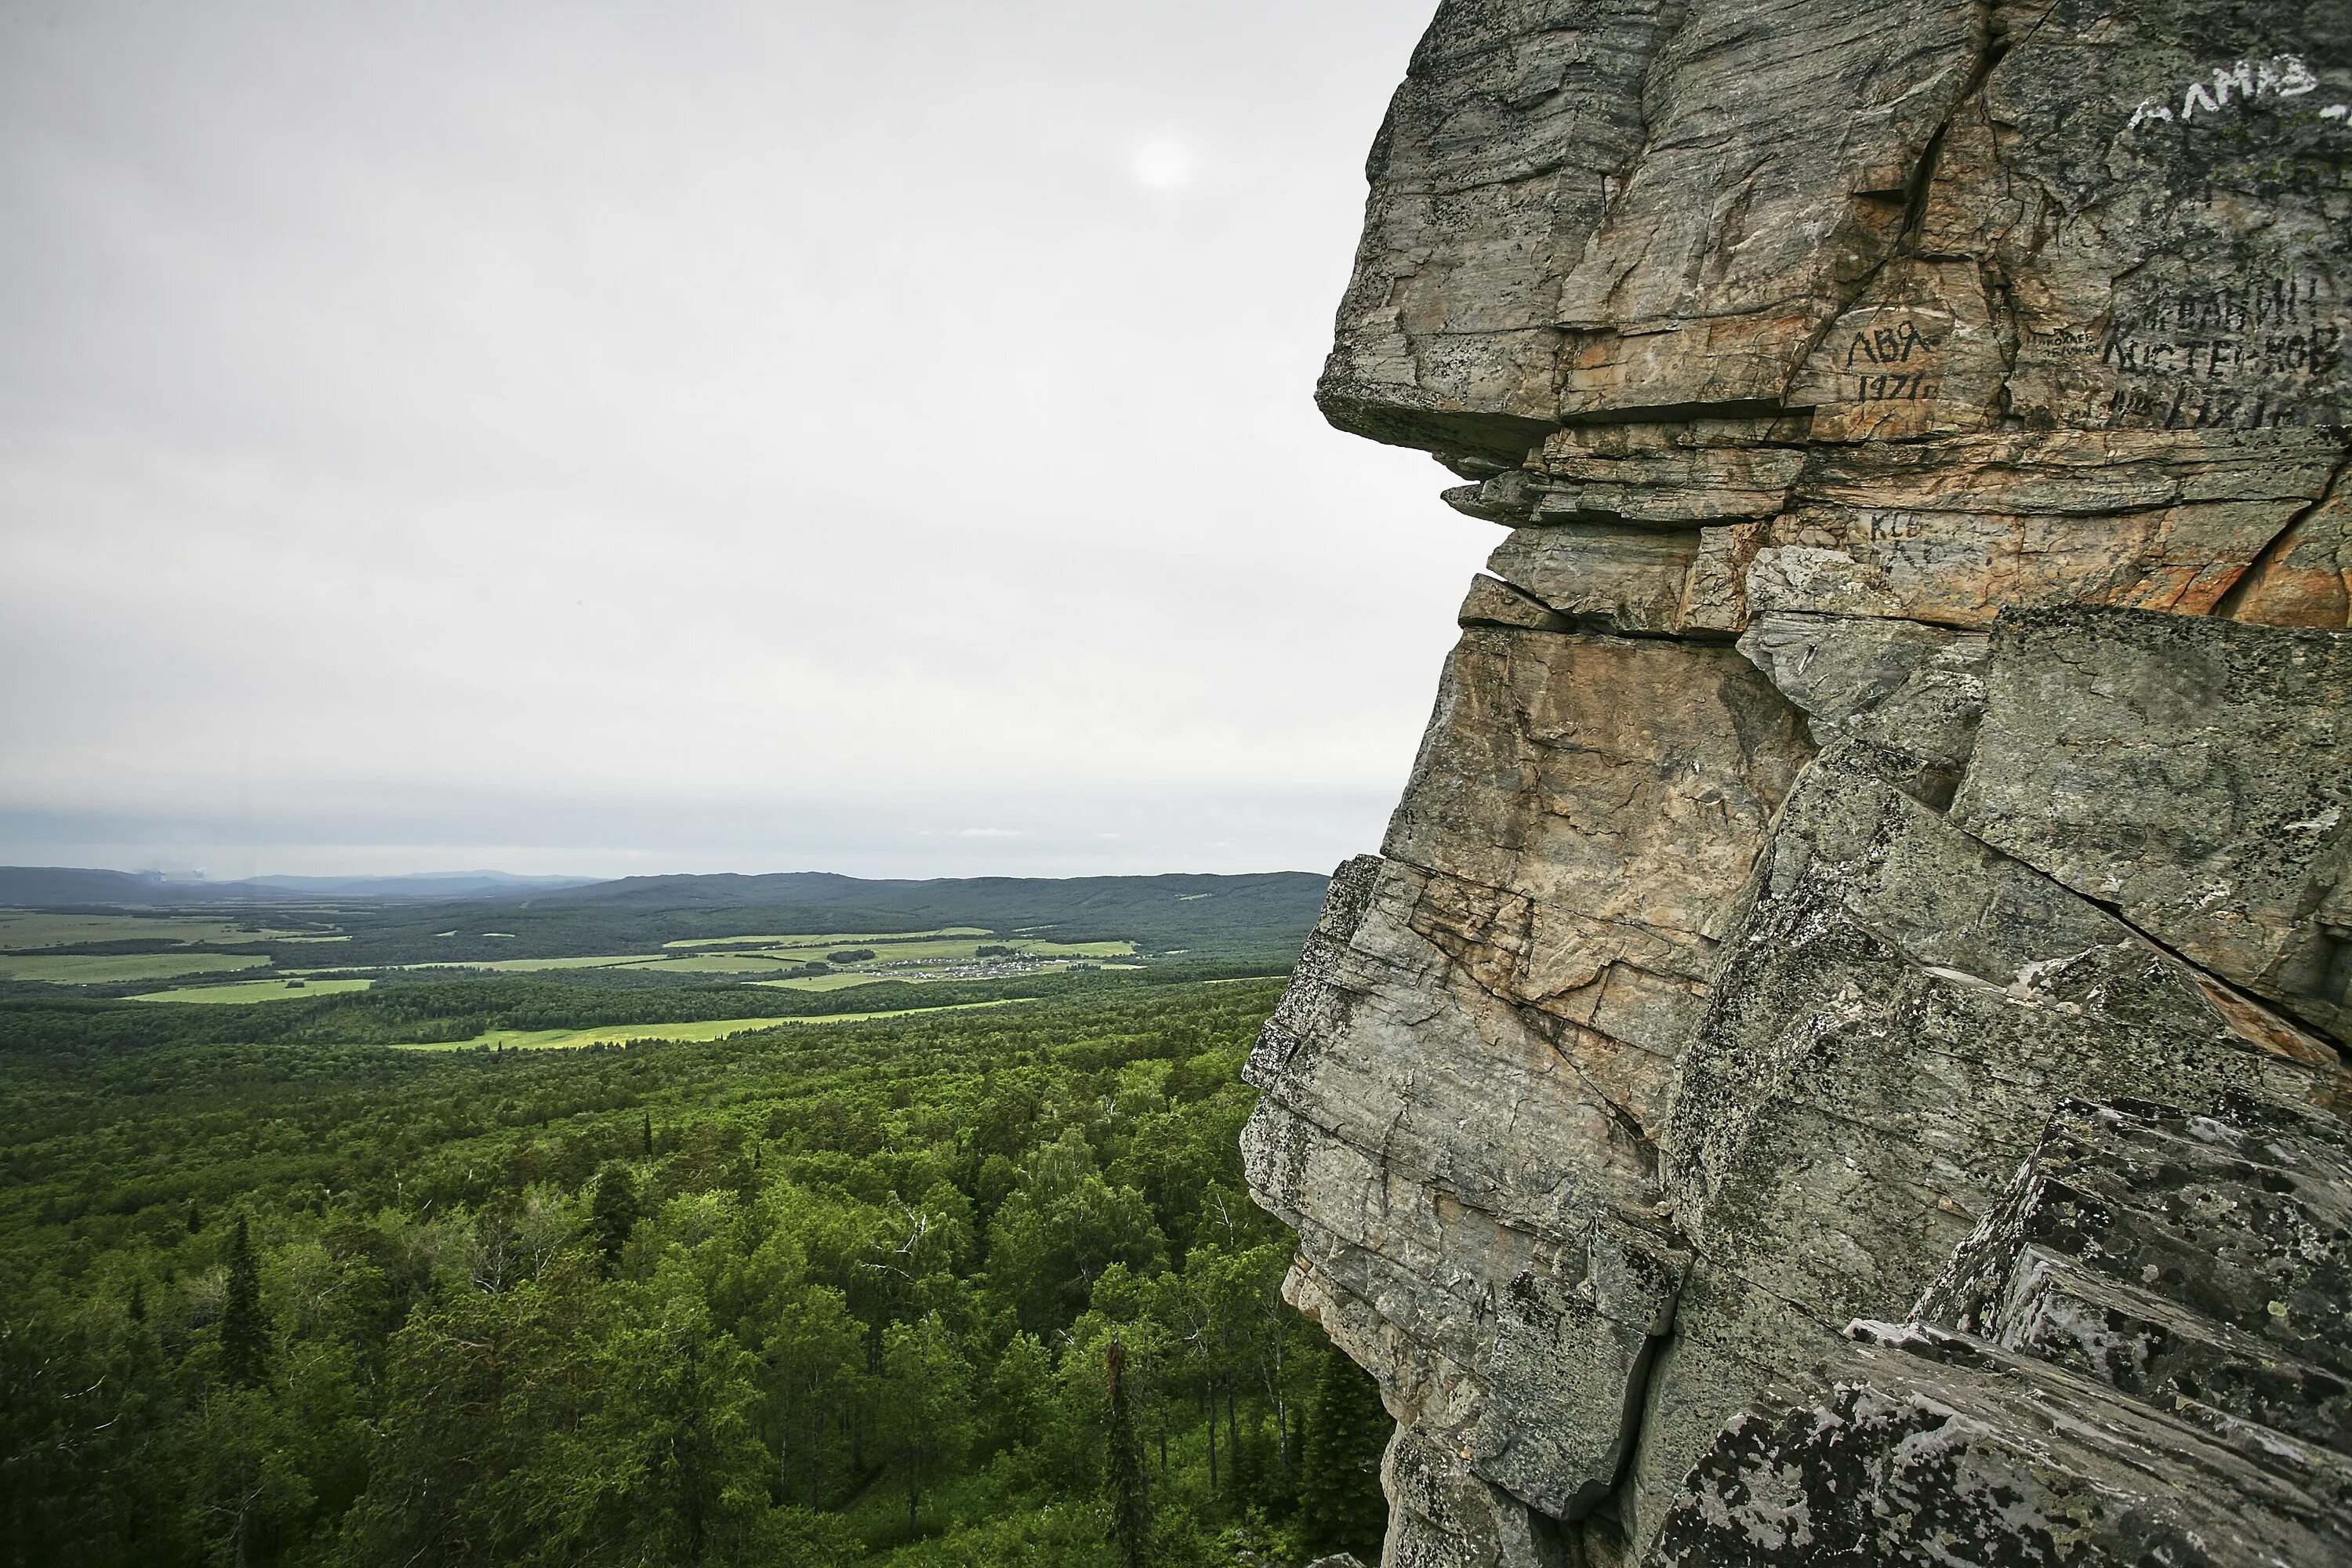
(2236, 84)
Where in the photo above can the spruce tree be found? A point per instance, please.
(1340, 1508)
(649, 1134)
(244, 1333)
(1130, 1507)
(615, 1215)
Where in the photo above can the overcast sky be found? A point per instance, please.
(608, 438)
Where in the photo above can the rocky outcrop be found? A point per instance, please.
(2194, 774)
(2139, 1356)
(1909, 704)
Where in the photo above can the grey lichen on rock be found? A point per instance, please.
(2138, 1356)
(2206, 1259)
(1910, 698)
(2197, 775)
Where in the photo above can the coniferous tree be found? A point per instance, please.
(1340, 1508)
(649, 1134)
(436, 1374)
(1130, 1506)
(245, 1332)
(615, 1215)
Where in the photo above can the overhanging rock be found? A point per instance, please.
(1909, 697)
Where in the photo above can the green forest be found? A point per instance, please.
(961, 1286)
(1257, 917)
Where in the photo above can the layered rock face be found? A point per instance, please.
(1902, 740)
(2139, 1357)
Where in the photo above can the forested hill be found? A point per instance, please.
(819, 1295)
(1257, 918)
(724, 1222)
(1164, 911)
(73, 886)
(1262, 918)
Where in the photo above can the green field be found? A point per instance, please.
(888, 953)
(885, 950)
(25, 929)
(256, 991)
(622, 1034)
(901, 1012)
(841, 981)
(98, 969)
(729, 963)
(959, 950)
(699, 963)
(302, 941)
(536, 966)
(610, 1035)
(794, 939)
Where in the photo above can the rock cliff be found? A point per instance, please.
(1841, 1056)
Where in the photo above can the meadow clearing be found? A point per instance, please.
(104, 968)
(667, 1034)
(250, 991)
(823, 939)
(894, 954)
(25, 929)
(86, 948)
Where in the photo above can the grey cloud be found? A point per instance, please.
(732, 432)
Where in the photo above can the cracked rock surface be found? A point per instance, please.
(2138, 1357)
(1901, 741)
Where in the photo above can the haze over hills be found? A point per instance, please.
(493, 917)
(420, 885)
(1004, 898)
(53, 885)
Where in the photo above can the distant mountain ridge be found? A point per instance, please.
(424, 885)
(1201, 914)
(1258, 917)
(65, 885)
(927, 896)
